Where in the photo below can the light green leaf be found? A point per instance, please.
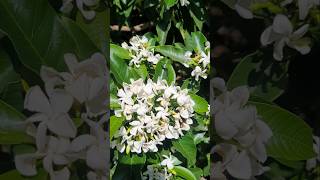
(199, 41)
(292, 137)
(142, 71)
(170, 3)
(175, 54)
(201, 105)
(115, 124)
(187, 148)
(114, 104)
(184, 173)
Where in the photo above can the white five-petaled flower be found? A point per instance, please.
(170, 161)
(281, 33)
(141, 51)
(67, 6)
(198, 72)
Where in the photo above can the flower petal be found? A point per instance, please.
(82, 142)
(224, 126)
(41, 136)
(240, 166)
(278, 49)
(243, 12)
(282, 25)
(61, 101)
(63, 126)
(37, 101)
(26, 164)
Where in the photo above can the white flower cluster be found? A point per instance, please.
(141, 51)
(313, 162)
(237, 122)
(162, 171)
(153, 112)
(201, 62)
(57, 139)
(82, 5)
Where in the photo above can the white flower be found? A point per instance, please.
(205, 59)
(141, 51)
(51, 113)
(198, 72)
(157, 173)
(305, 6)
(87, 82)
(170, 161)
(281, 33)
(184, 2)
(154, 112)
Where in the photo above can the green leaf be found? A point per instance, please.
(39, 36)
(114, 104)
(129, 167)
(170, 3)
(201, 105)
(115, 124)
(12, 126)
(184, 173)
(163, 28)
(96, 28)
(142, 71)
(199, 41)
(121, 71)
(187, 148)
(292, 137)
(175, 54)
(198, 173)
(11, 88)
(265, 79)
(15, 175)
(164, 70)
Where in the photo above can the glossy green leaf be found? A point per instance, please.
(164, 70)
(142, 71)
(186, 146)
(266, 80)
(129, 167)
(175, 54)
(12, 126)
(39, 36)
(199, 41)
(162, 30)
(115, 124)
(121, 71)
(170, 3)
(11, 88)
(292, 137)
(184, 173)
(114, 102)
(96, 28)
(201, 105)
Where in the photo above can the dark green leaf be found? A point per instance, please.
(164, 70)
(265, 79)
(39, 36)
(292, 137)
(187, 148)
